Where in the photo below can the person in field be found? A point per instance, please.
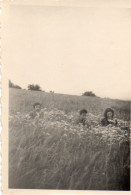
(36, 111)
(82, 117)
(109, 118)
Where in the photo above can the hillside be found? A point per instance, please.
(22, 101)
(57, 152)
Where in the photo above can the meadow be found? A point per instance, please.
(55, 152)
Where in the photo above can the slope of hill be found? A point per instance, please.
(22, 101)
(56, 152)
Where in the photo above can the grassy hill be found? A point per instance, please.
(56, 152)
(22, 101)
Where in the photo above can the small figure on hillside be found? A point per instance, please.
(109, 118)
(36, 112)
(82, 117)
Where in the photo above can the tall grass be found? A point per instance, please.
(57, 153)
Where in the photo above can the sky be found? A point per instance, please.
(71, 50)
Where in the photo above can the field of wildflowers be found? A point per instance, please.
(55, 152)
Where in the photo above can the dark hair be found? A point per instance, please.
(35, 104)
(83, 111)
(108, 110)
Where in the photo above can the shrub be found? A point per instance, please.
(12, 85)
(89, 93)
(34, 87)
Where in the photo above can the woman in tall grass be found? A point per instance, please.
(109, 118)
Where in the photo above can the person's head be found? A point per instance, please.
(83, 113)
(37, 106)
(109, 113)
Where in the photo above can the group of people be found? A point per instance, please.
(107, 120)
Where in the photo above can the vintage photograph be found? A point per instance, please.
(69, 97)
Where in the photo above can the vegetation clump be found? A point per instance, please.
(54, 152)
(12, 85)
(89, 93)
(34, 87)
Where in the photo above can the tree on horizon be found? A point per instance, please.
(34, 87)
(12, 85)
(89, 93)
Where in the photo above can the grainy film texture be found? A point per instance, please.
(69, 98)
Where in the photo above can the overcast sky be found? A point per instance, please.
(71, 50)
